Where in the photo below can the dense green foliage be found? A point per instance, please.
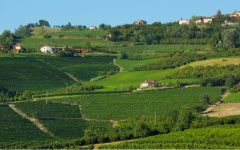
(217, 137)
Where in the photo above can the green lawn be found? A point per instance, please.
(36, 43)
(124, 80)
(130, 105)
(217, 137)
(232, 97)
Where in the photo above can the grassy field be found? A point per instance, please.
(71, 32)
(72, 38)
(16, 129)
(130, 105)
(217, 137)
(232, 97)
(63, 120)
(124, 80)
(218, 61)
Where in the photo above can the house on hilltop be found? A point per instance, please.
(204, 20)
(235, 15)
(81, 50)
(140, 22)
(92, 27)
(149, 83)
(184, 22)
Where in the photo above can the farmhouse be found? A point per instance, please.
(92, 27)
(80, 50)
(47, 49)
(149, 83)
(1, 47)
(184, 22)
(204, 20)
(235, 15)
(140, 22)
(17, 48)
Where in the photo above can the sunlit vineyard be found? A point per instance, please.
(130, 105)
(13, 128)
(63, 120)
(27, 73)
(218, 137)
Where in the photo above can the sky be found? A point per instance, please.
(115, 12)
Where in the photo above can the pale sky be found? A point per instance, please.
(114, 12)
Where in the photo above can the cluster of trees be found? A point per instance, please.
(143, 127)
(8, 96)
(211, 75)
(173, 61)
(225, 80)
(215, 33)
(81, 27)
(157, 33)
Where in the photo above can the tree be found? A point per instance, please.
(7, 39)
(230, 38)
(184, 120)
(44, 23)
(124, 55)
(104, 26)
(206, 100)
(218, 15)
(23, 31)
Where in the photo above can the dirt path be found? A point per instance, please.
(224, 110)
(33, 120)
(121, 69)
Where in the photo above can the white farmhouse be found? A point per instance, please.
(47, 49)
(184, 22)
(92, 27)
(149, 83)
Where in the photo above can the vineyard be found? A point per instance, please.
(26, 73)
(63, 120)
(131, 105)
(47, 72)
(83, 68)
(216, 137)
(16, 129)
